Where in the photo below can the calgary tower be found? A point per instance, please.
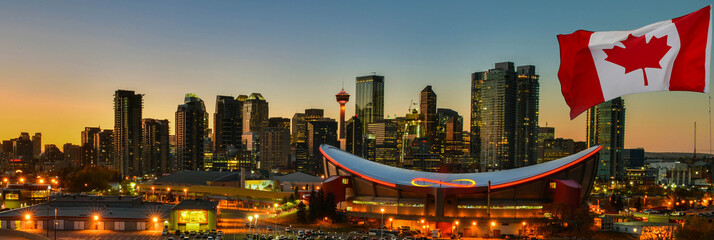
(342, 98)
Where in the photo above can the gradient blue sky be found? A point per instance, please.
(61, 61)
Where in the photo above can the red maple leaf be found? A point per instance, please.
(638, 53)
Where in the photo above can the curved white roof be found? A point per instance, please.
(392, 176)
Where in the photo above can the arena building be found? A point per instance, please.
(485, 204)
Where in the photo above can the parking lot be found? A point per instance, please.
(102, 235)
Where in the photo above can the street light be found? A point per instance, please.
(28, 217)
(275, 218)
(381, 227)
(95, 217)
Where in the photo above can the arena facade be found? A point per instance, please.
(486, 204)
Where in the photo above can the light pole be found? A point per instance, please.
(185, 193)
(256, 222)
(250, 223)
(381, 227)
(275, 219)
(56, 224)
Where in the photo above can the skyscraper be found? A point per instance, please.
(255, 113)
(255, 121)
(353, 138)
(303, 153)
(504, 117)
(37, 145)
(427, 114)
(191, 131)
(448, 139)
(275, 144)
(155, 150)
(298, 140)
(342, 98)
(322, 131)
(606, 127)
(227, 124)
(88, 154)
(103, 143)
(544, 133)
(385, 136)
(527, 103)
(127, 132)
(369, 103)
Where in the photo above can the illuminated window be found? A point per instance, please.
(12, 196)
(345, 181)
(552, 185)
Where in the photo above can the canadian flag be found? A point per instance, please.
(670, 55)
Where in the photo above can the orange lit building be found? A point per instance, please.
(494, 203)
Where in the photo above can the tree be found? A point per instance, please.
(638, 203)
(301, 212)
(314, 210)
(616, 202)
(696, 228)
(91, 178)
(330, 209)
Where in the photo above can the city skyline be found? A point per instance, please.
(63, 65)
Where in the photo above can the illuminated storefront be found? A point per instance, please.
(194, 215)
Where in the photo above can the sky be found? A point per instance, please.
(61, 61)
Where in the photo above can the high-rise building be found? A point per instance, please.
(448, 138)
(369, 103)
(88, 154)
(103, 143)
(544, 133)
(275, 144)
(303, 154)
(255, 113)
(606, 127)
(255, 121)
(127, 132)
(191, 131)
(342, 98)
(298, 141)
(504, 116)
(527, 104)
(72, 154)
(420, 156)
(427, 114)
(37, 145)
(322, 131)
(155, 150)
(634, 158)
(353, 138)
(53, 154)
(227, 124)
(556, 148)
(313, 114)
(88, 136)
(385, 136)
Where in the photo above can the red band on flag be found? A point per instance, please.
(689, 68)
(579, 81)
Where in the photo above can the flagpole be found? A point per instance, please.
(710, 123)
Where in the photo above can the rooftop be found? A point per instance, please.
(196, 204)
(298, 177)
(392, 176)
